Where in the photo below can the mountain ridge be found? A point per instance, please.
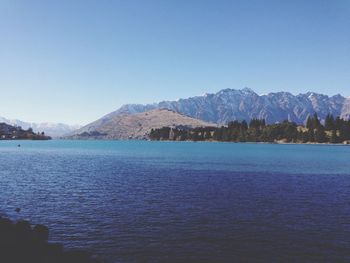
(245, 104)
(51, 129)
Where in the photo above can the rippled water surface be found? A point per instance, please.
(136, 201)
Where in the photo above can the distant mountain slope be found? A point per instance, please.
(51, 129)
(245, 104)
(346, 109)
(135, 126)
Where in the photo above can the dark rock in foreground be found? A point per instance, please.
(20, 242)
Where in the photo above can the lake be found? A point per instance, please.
(138, 201)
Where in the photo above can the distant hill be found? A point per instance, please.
(9, 132)
(229, 104)
(135, 126)
(51, 129)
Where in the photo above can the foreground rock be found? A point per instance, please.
(20, 243)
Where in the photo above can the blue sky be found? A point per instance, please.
(74, 61)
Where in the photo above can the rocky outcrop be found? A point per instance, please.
(20, 242)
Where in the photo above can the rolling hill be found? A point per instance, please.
(135, 126)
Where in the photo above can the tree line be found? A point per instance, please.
(334, 130)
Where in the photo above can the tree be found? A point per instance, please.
(338, 123)
(218, 134)
(309, 123)
(207, 135)
(259, 131)
(334, 138)
(320, 135)
(244, 125)
(305, 137)
(310, 135)
(329, 122)
(316, 121)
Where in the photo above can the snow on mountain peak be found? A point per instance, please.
(230, 104)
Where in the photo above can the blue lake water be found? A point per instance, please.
(136, 201)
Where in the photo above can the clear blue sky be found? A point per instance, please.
(74, 61)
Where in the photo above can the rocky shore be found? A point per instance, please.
(21, 242)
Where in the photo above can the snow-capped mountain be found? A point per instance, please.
(245, 104)
(50, 129)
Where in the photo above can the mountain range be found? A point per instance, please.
(210, 109)
(217, 108)
(50, 129)
(230, 104)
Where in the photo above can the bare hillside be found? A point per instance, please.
(135, 126)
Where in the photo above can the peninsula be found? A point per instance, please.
(9, 132)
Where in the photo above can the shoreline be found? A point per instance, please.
(277, 143)
(191, 141)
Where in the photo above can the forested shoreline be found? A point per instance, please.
(9, 132)
(333, 130)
